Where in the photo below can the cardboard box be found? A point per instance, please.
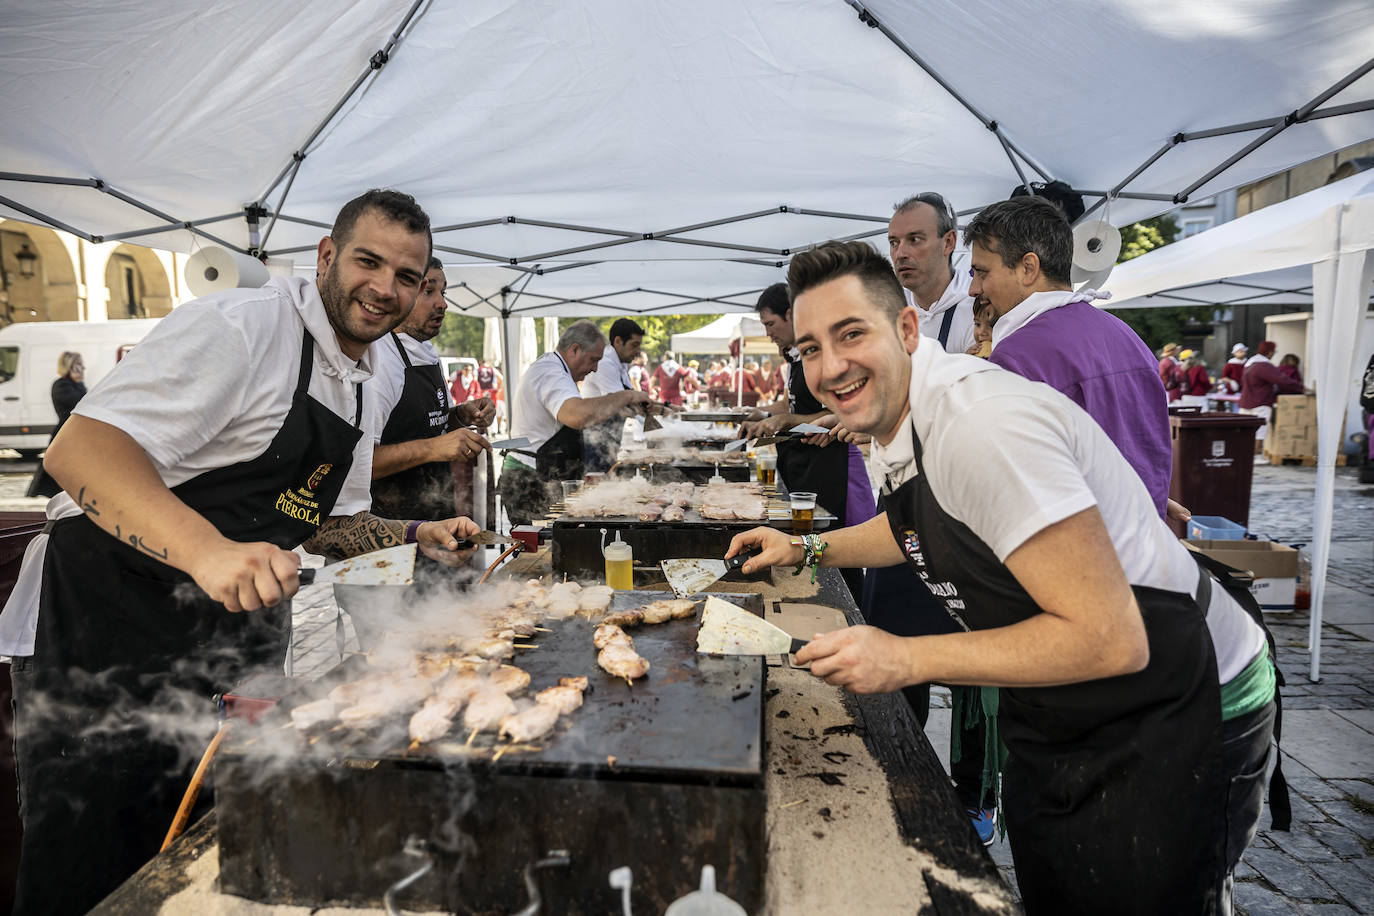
(1290, 437)
(1295, 410)
(1275, 567)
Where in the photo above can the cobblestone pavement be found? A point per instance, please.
(1325, 865)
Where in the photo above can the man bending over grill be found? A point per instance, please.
(1138, 695)
(235, 432)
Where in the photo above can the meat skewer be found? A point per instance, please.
(623, 661)
(608, 634)
(534, 722)
(485, 711)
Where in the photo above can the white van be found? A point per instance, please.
(28, 367)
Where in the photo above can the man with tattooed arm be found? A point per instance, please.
(235, 432)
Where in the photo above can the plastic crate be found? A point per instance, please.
(1214, 528)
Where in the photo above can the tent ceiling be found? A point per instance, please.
(644, 118)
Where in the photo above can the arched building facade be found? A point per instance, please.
(46, 275)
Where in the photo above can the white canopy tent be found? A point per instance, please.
(715, 337)
(1331, 229)
(608, 157)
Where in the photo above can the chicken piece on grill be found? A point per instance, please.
(564, 599)
(673, 514)
(650, 512)
(622, 661)
(486, 709)
(608, 634)
(579, 682)
(493, 647)
(434, 719)
(508, 679)
(624, 618)
(668, 609)
(562, 698)
(530, 724)
(310, 716)
(594, 601)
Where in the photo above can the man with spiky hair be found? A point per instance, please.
(1137, 692)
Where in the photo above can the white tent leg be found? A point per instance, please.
(1340, 289)
(510, 348)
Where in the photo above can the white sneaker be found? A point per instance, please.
(1260, 459)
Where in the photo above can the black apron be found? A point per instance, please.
(1113, 796)
(426, 490)
(121, 642)
(563, 456)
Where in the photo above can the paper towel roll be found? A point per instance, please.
(214, 269)
(1095, 245)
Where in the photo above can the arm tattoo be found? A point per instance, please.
(135, 541)
(347, 536)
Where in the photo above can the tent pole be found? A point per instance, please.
(56, 224)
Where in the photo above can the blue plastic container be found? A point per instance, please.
(1214, 528)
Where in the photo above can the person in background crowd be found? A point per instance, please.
(69, 388)
(1022, 251)
(1170, 375)
(1289, 367)
(694, 391)
(552, 414)
(746, 379)
(767, 391)
(464, 387)
(1234, 370)
(1260, 387)
(1197, 384)
(486, 380)
(1138, 716)
(984, 318)
(921, 237)
(670, 381)
(639, 376)
(611, 375)
(716, 375)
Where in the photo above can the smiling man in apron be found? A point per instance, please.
(232, 434)
(1137, 748)
(552, 413)
(418, 433)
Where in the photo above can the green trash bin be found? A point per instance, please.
(1214, 462)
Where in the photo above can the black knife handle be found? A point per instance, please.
(797, 645)
(306, 576)
(739, 559)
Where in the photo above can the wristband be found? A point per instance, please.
(412, 528)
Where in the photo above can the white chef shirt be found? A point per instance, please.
(611, 375)
(208, 388)
(389, 376)
(1009, 457)
(954, 297)
(544, 387)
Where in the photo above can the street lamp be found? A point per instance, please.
(27, 260)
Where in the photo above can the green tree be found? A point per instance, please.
(1156, 326)
(460, 335)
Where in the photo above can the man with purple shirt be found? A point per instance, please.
(1022, 251)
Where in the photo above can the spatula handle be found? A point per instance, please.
(797, 646)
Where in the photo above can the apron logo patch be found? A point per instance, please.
(318, 477)
(911, 546)
(439, 396)
(299, 502)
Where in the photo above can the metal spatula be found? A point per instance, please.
(728, 629)
(692, 576)
(392, 566)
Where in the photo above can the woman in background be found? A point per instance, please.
(69, 388)
(1289, 367)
